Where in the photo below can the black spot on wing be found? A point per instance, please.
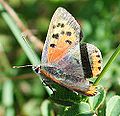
(68, 33)
(68, 41)
(97, 55)
(96, 51)
(62, 25)
(99, 61)
(56, 36)
(52, 45)
(99, 68)
(53, 26)
(58, 24)
(62, 32)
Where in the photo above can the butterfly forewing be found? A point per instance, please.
(63, 34)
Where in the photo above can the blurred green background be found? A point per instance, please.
(21, 91)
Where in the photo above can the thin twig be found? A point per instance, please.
(38, 44)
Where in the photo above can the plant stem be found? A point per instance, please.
(112, 58)
(17, 33)
(36, 42)
(33, 57)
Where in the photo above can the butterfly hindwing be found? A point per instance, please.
(91, 59)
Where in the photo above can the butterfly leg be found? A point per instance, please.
(48, 83)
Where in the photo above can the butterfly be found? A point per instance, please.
(68, 62)
(65, 60)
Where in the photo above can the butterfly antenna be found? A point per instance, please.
(23, 66)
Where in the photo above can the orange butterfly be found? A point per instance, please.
(65, 60)
(69, 63)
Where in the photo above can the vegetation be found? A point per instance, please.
(22, 92)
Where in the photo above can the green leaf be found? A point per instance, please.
(82, 109)
(10, 111)
(102, 110)
(31, 108)
(97, 100)
(65, 97)
(46, 109)
(113, 106)
(7, 93)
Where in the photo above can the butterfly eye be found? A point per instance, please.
(52, 45)
(36, 69)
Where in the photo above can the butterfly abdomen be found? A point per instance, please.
(91, 60)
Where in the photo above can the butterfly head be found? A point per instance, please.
(36, 69)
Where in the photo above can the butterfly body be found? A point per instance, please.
(69, 63)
